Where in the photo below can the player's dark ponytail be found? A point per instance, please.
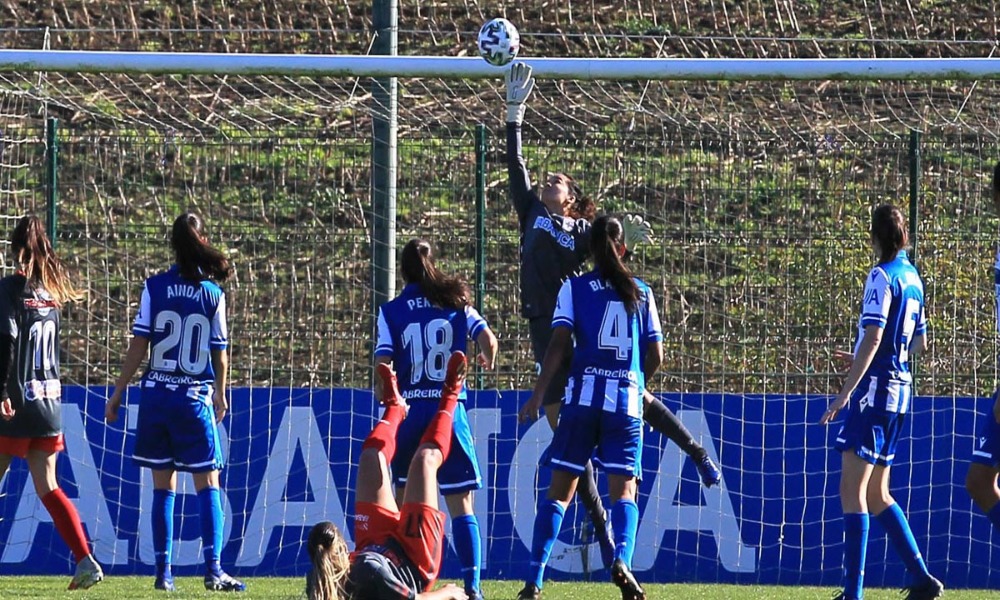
(38, 260)
(330, 563)
(889, 230)
(606, 240)
(442, 290)
(582, 207)
(196, 258)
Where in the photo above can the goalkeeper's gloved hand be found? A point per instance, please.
(519, 86)
(637, 230)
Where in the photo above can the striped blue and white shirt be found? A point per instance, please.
(609, 343)
(894, 301)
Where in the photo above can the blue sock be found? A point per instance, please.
(210, 499)
(994, 515)
(898, 529)
(625, 522)
(465, 533)
(548, 522)
(163, 529)
(855, 551)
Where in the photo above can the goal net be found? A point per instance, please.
(759, 193)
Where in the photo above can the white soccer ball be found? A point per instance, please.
(499, 41)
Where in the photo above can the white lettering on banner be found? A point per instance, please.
(92, 505)
(298, 429)
(716, 515)
(184, 552)
(271, 511)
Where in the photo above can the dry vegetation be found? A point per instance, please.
(758, 190)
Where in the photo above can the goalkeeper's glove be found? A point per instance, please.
(637, 230)
(519, 86)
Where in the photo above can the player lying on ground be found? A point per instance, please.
(397, 549)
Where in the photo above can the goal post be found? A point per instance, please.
(757, 176)
(583, 69)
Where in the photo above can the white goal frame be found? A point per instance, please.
(665, 69)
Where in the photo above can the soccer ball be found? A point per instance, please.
(499, 41)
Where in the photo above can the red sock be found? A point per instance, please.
(67, 522)
(383, 437)
(441, 428)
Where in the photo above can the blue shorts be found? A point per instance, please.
(869, 432)
(986, 450)
(176, 432)
(460, 471)
(582, 430)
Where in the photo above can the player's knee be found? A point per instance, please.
(428, 457)
(879, 500)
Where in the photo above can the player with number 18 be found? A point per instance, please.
(417, 332)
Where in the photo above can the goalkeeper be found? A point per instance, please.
(555, 238)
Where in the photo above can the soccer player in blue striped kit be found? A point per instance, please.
(981, 480)
(608, 320)
(182, 315)
(417, 332)
(555, 227)
(878, 389)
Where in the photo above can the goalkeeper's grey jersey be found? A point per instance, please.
(553, 247)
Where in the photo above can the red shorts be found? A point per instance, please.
(417, 528)
(17, 446)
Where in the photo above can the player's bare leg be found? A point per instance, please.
(883, 506)
(374, 484)
(42, 466)
(589, 496)
(421, 479)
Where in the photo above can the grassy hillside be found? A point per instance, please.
(758, 191)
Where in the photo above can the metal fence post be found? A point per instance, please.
(480, 226)
(52, 176)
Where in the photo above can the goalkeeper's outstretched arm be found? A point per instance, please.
(519, 86)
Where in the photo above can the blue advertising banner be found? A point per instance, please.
(290, 453)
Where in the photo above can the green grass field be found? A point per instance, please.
(280, 587)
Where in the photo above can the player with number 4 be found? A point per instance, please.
(417, 332)
(607, 321)
(878, 389)
(182, 315)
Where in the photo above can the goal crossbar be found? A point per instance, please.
(680, 69)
